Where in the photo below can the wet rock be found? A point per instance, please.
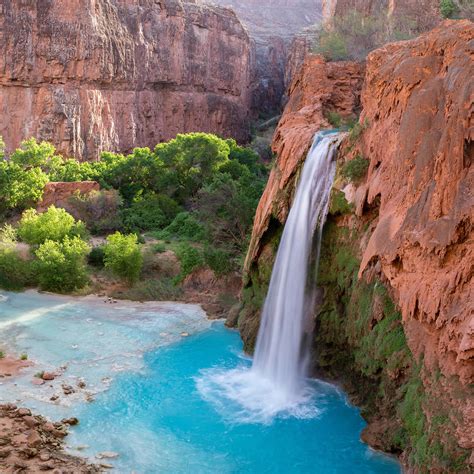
(106, 465)
(48, 376)
(81, 384)
(37, 381)
(70, 421)
(67, 389)
(107, 455)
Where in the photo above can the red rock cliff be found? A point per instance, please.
(415, 211)
(418, 101)
(90, 75)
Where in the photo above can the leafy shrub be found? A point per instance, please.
(218, 260)
(99, 210)
(54, 224)
(334, 118)
(339, 204)
(150, 212)
(356, 168)
(33, 154)
(61, 265)
(24, 356)
(16, 272)
(190, 258)
(159, 248)
(354, 34)
(332, 46)
(96, 256)
(20, 188)
(123, 256)
(184, 227)
(448, 8)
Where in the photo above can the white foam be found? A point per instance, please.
(254, 398)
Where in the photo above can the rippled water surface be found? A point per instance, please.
(157, 402)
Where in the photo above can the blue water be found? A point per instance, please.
(164, 416)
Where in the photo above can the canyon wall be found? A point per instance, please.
(397, 322)
(90, 75)
(273, 24)
(426, 12)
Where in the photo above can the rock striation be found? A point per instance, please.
(90, 75)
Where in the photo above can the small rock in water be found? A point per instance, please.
(89, 397)
(81, 447)
(70, 421)
(106, 466)
(67, 389)
(23, 412)
(81, 383)
(53, 398)
(184, 334)
(37, 381)
(48, 376)
(107, 455)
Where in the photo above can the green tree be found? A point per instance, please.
(20, 188)
(150, 212)
(61, 266)
(33, 154)
(190, 258)
(189, 161)
(55, 224)
(123, 256)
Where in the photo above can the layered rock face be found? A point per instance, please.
(397, 259)
(90, 75)
(418, 101)
(273, 24)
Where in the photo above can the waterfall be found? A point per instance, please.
(281, 353)
(277, 384)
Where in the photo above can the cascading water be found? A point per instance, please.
(281, 354)
(276, 382)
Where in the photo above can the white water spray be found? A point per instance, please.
(276, 383)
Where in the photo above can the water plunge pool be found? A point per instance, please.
(149, 369)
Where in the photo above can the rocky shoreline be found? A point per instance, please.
(30, 443)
